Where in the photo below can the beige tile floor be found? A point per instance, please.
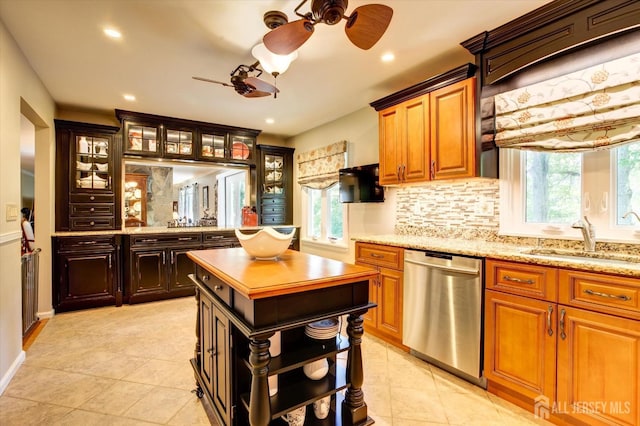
(129, 366)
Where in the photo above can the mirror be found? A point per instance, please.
(164, 193)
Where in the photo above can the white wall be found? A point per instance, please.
(360, 130)
(22, 93)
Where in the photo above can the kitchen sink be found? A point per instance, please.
(591, 256)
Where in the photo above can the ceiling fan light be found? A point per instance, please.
(271, 62)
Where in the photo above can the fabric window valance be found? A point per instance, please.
(595, 108)
(319, 167)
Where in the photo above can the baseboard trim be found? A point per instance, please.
(15, 366)
(46, 314)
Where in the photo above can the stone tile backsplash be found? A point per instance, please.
(469, 209)
(466, 204)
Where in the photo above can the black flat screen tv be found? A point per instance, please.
(360, 185)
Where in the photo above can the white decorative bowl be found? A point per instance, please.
(316, 370)
(266, 244)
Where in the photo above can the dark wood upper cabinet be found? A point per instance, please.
(87, 177)
(275, 185)
(553, 29)
(147, 135)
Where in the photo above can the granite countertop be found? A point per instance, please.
(159, 230)
(505, 251)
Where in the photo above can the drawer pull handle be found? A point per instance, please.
(212, 351)
(610, 296)
(86, 243)
(517, 280)
(149, 240)
(217, 287)
(563, 335)
(184, 239)
(549, 313)
(377, 256)
(206, 278)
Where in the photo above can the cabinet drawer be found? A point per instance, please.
(273, 219)
(87, 209)
(165, 240)
(220, 240)
(600, 292)
(214, 284)
(272, 201)
(86, 242)
(91, 198)
(92, 223)
(535, 281)
(374, 254)
(273, 209)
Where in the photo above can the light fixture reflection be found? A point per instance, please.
(272, 63)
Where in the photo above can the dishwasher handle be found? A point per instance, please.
(470, 271)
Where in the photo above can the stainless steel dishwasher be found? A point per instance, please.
(442, 311)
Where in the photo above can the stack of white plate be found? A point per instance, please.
(322, 330)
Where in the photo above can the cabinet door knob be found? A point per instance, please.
(92, 223)
(212, 351)
(205, 278)
(217, 287)
(92, 209)
(92, 198)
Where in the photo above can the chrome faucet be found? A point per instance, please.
(588, 233)
(629, 213)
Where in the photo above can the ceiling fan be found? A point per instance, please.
(364, 27)
(246, 85)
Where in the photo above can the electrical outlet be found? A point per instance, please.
(484, 208)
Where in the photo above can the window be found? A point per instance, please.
(543, 193)
(325, 215)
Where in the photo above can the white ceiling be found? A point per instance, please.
(166, 42)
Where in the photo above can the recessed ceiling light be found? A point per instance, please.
(269, 121)
(112, 32)
(388, 57)
(129, 98)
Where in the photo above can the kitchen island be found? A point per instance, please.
(243, 302)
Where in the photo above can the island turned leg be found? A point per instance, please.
(259, 405)
(354, 409)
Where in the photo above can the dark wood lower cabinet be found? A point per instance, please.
(215, 355)
(86, 272)
(157, 266)
(101, 270)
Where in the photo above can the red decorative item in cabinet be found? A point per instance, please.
(249, 216)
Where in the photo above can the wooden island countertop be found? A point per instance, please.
(292, 272)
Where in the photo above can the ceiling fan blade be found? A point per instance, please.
(260, 85)
(256, 94)
(288, 37)
(367, 24)
(212, 81)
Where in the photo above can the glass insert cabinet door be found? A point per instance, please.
(179, 143)
(273, 174)
(92, 165)
(213, 146)
(242, 148)
(142, 139)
